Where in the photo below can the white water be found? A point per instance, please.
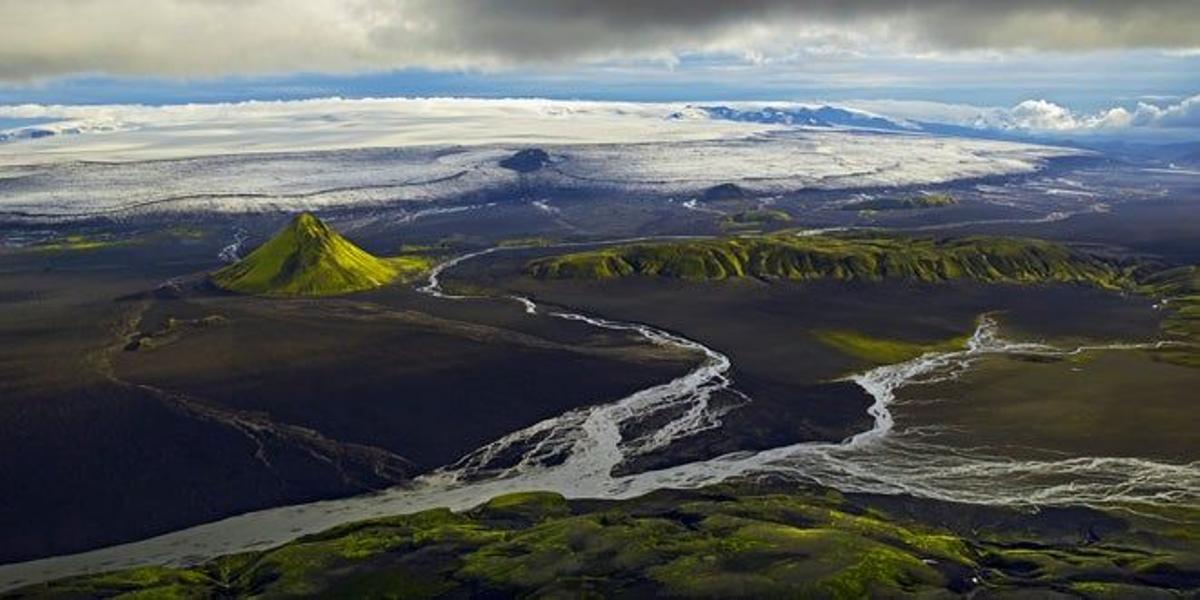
(694, 205)
(575, 453)
(232, 252)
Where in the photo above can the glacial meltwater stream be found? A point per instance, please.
(575, 454)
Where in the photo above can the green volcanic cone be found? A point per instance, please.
(307, 258)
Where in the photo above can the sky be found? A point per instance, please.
(1066, 64)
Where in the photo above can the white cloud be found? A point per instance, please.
(1184, 114)
(1040, 115)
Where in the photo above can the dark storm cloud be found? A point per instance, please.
(973, 24)
(219, 37)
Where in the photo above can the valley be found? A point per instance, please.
(654, 353)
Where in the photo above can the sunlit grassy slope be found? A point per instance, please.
(759, 216)
(884, 350)
(307, 258)
(722, 542)
(844, 257)
(923, 201)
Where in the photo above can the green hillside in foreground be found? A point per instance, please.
(307, 258)
(842, 257)
(720, 542)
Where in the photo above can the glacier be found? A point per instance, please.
(120, 161)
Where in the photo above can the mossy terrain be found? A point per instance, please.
(307, 258)
(80, 242)
(910, 203)
(843, 257)
(753, 218)
(522, 242)
(1179, 289)
(186, 232)
(725, 541)
(883, 350)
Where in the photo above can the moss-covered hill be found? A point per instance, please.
(910, 203)
(721, 542)
(307, 258)
(842, 257)
(755, 217)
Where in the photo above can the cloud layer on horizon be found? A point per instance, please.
(1043, 116)
(193, 38)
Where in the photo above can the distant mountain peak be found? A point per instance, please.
(807, 116)
(306, 258)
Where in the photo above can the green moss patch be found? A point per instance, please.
(883, 350)
(81, 242)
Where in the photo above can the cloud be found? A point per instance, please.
(1042, 115)
(190, 38)
(1039, 115)
(1183, 114)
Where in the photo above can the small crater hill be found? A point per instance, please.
(526, 161)
(725, 191)
(307, 258)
